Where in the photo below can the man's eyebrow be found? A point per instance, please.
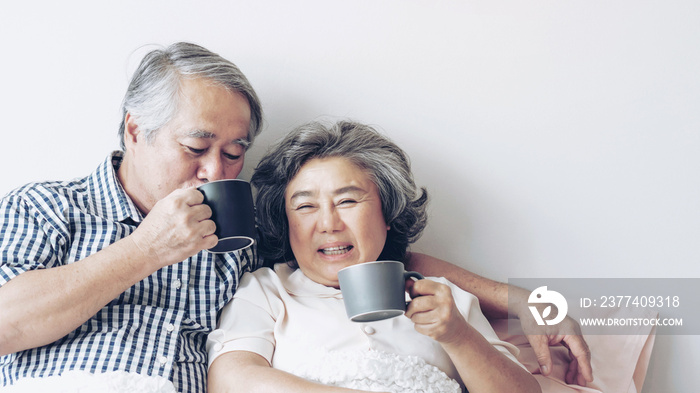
(201, 134)
(243, 142)
(210, 135)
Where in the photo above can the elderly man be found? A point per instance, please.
(108, 273)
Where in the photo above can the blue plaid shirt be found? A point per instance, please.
(157, 327)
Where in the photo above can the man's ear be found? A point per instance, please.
(131, 131)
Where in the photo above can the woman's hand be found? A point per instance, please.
(434, 312)
(481, 367)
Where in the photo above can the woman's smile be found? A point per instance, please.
(338, 250)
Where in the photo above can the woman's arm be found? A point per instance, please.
(242, 371)
(481, 367)
(484, 369)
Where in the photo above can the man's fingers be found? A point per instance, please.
(208, 228)
(581, 380)
(201, 212)
(190, 196)
(572, 375)
(210, 241)
(579, 351)
(540, 344)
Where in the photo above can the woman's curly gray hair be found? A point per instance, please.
(403, 204)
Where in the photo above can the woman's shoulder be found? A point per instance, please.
(265, 279)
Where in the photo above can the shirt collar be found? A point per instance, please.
(111, 199)
(298, 284)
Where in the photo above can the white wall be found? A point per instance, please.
(557, 138)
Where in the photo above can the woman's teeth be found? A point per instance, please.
(336, 250)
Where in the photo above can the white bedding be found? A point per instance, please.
(85, 382)
(375, 371)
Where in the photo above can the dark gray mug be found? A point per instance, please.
(373, 291)
(231, 203)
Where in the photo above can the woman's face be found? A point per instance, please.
(335, 218)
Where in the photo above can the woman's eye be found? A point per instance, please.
(232, 157)
(347, 202)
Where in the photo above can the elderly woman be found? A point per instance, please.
(328, 198)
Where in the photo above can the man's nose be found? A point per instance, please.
(211, 168)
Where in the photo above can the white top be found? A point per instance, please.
(301, 327)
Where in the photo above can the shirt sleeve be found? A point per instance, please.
(247, 323)
(28, 239)
(247, 259)
(468, 305)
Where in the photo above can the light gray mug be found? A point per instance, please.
(373, 291)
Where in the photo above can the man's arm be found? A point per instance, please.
(493, 298)
(492, 295)
(41, 306)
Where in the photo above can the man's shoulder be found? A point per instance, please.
(48, 192)
(59, 195)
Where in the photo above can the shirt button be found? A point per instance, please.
(170, 327)
(368, 330)
(177, 284)
(162, 359)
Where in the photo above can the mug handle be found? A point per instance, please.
(416, 275)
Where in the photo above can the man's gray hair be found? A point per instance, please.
(152, 96)
(403, 204)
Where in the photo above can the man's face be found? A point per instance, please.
(205, 141)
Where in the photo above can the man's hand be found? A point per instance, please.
(567, 333)
(177, 227)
